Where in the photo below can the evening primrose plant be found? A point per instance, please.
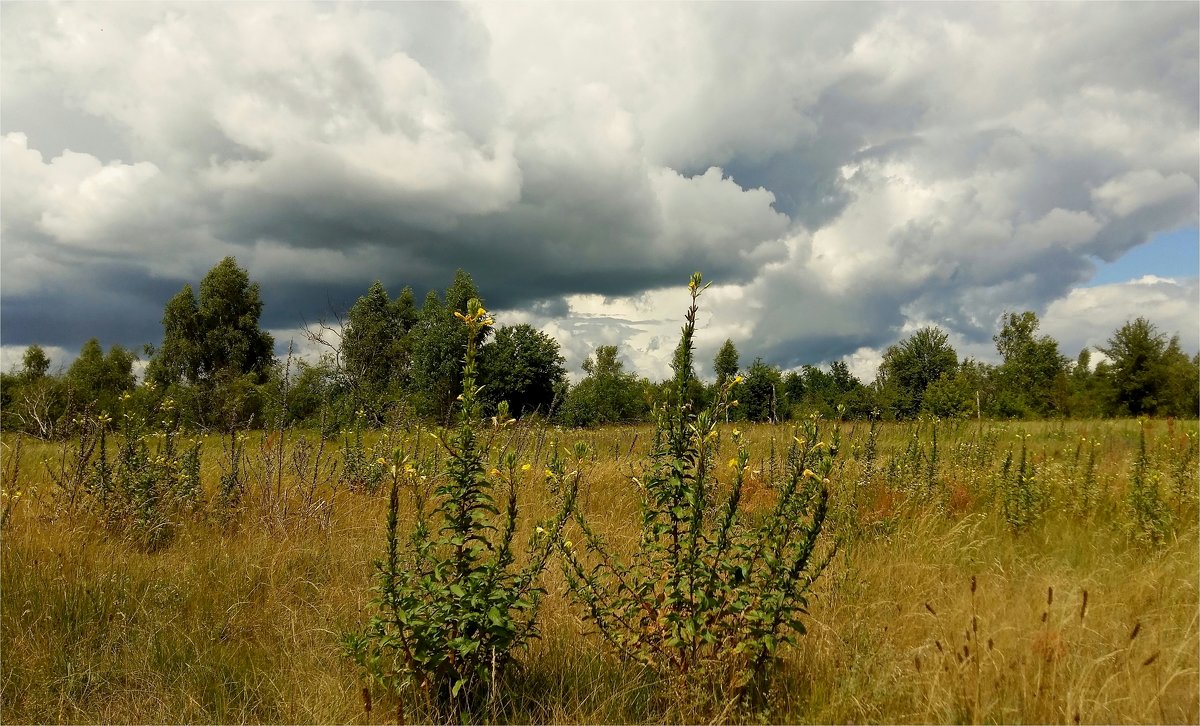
(713, 589)
(152, 483)
(452, 606)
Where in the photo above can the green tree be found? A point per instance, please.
(35, 363)
(1030, 378)
(1089, 391)
(213, 352)
(1182, 394)
(695, 395)
(913, 364)
(819, 389)
(229, 310)
(521, 365)
(759, 397)
(178, 358)
(843, 380)
(368, 343)
(312, 392)
(792, 393)
(854, 398)
(460, 293)
(726, 363)
(1148, 374)
(376, 349)
(437, 350)
(954, 395)
(608, 394)
(217, 332)
(31, 400)
(438, 342)
(97, 380)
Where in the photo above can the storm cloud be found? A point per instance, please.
(844, 172)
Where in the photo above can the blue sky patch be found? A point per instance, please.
(1172, 254)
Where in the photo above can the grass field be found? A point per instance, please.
(967, 587)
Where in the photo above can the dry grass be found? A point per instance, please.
(241, 624)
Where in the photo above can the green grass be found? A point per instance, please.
(240, 621)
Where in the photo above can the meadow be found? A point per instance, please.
(1015, 572)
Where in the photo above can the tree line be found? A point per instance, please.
(390, 358)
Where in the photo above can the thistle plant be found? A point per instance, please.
(711, 592)
(453, 607)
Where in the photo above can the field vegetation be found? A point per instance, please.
(702, 567)
(1042, 572)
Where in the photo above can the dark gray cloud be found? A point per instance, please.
(845, 171)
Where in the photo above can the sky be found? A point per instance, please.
(843, 173)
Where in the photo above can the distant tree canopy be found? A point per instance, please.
(608, 394)
(1030, 375)
(100, 379)
(1148, 374)
(913, 365)
(758, 394)
(393, 359)
(36, 363)
(438, 342)
(523, 366)
(215, 334)
(33, 401)
(725, 365)
(376, 347)
(214, 356)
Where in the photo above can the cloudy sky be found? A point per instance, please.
(844, 173)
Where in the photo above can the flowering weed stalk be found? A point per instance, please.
(454, 606)
(712, 592)
(153, 480)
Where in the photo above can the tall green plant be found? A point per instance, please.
(712, 590)
(453, 607)
(153, 482)
(1023, 496)
(1151, 520)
